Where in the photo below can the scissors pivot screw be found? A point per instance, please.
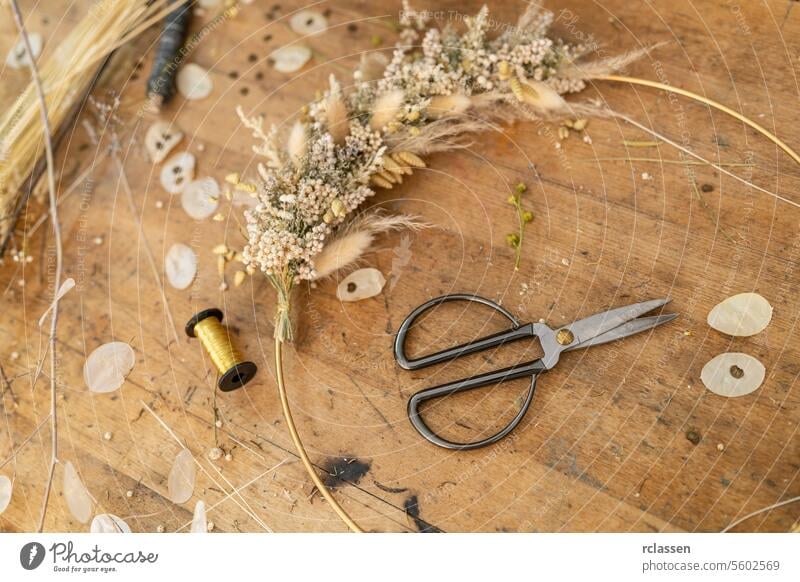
(565, 337)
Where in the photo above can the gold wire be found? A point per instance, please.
(710, 102)
(218, 344)
(298, 444)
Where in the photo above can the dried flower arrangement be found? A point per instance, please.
(438, 86)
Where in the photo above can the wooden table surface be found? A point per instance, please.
(622, 438)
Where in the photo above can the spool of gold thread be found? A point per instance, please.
(234, 371)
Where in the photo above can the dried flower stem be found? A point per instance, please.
(710, 102)
(717, 167)
(760, 511)
(663, 161)
(51, 186)
(301, 451)
(231, 495)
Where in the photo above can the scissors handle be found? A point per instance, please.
(532, 369)
(517, 332)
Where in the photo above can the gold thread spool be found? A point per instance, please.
(234, 371)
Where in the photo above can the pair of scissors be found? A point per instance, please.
(597, 329)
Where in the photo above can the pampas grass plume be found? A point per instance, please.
(386, 108)
(297, 143)
(351, 244)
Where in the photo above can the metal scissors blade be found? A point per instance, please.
(600, 323)
(626, 329)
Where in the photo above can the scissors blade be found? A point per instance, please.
(622, 331)
(598, 324)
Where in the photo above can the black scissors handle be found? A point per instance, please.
(518, 331)
(532, 369)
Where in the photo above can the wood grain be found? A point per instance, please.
(604, 447)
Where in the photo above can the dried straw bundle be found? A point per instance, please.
(66, 74)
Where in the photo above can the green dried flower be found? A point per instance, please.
(521, 187)
(527, 216)
(512, 239)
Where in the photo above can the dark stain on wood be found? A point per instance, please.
(345, 470)
(411, 507)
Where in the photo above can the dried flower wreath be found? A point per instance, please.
(439, 86)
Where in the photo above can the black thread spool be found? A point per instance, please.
(234, 371)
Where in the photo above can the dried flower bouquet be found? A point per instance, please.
(438, 86)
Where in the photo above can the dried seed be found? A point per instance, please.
(200, 198)
(180, 266)
(733, 374)
(177, 172)
(6, 490)
(18, 57)
(308, 22)
(742, 315)
(361, 284)
(238, 278)
(107, 367)
(193, 82)
(290, 59)
(160, 139)
(108, 523)
(75, 494)
(199, 522)
(221, 249)
(233, 178)
(180, 482)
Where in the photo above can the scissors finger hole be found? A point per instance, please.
(477, 414)
(455, 323)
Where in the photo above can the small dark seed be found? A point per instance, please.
(707, 188)
(244, 91)
(327, 12)
(693, 437)
(351, 287)
(233, 75)
(259, 75)
(267, 37)
(352, 27)
(252, 57)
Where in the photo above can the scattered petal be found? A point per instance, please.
(291, 58)
(180, 483)
(109, 523)
(63, 290)
(742, 315)
(193, 82)
(200, 198)
(18, 57)
(6, 489)
(107, 367)
(75, 494)
(361, 284)
(733, 374)
(308, 22)
(160, 139)
(180, 266)
(177, 172)
(199, 521)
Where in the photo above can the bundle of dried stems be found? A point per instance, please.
(66, 73)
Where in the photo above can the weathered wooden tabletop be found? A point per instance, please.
(623, 437)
